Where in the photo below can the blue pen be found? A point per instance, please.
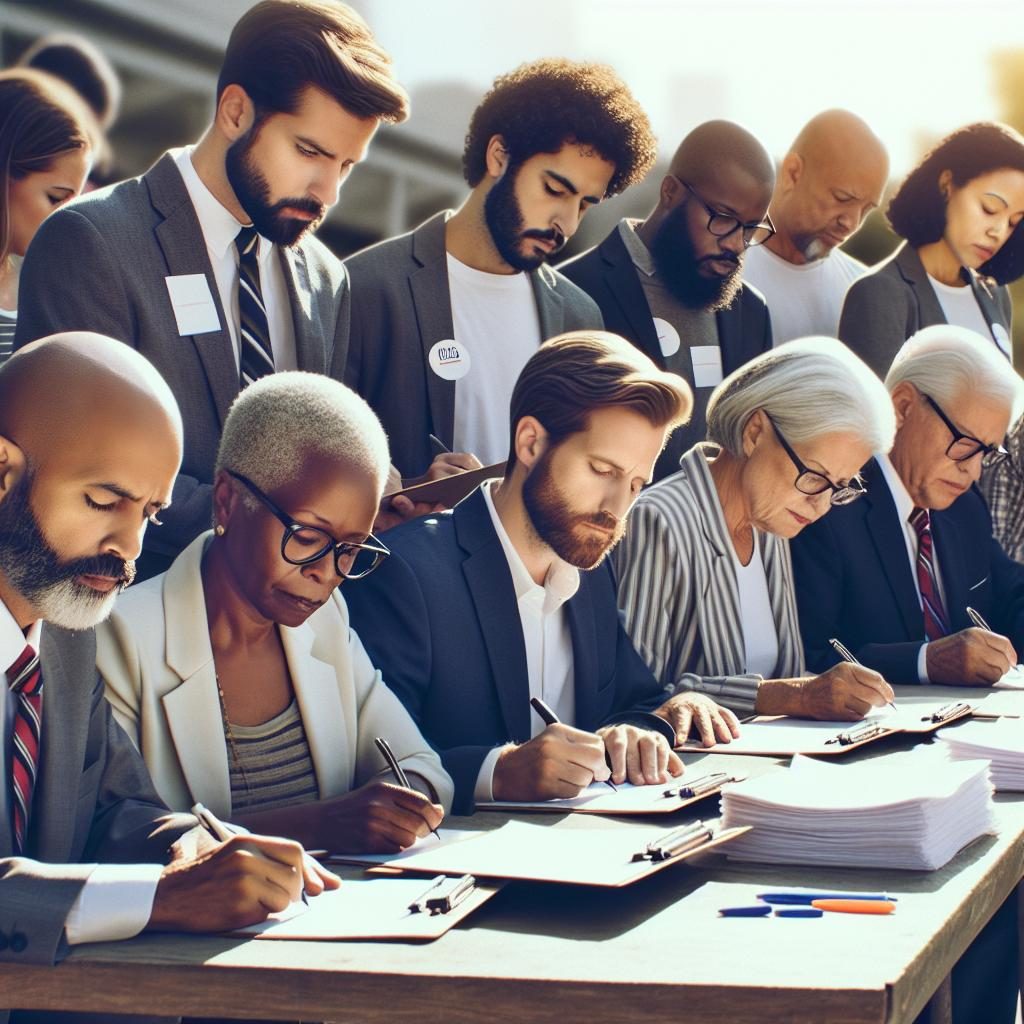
(799, 912)
(762, 910)
(805, 898)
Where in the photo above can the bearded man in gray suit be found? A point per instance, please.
(207, 264)
(83, 836)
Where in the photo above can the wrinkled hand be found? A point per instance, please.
(845, 693)
(238, 883)
(637, 755)
(377, 818)
(972, 657)
(714, 723)
(560, 762)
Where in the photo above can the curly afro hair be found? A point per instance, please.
(542, 105)
(917, 212)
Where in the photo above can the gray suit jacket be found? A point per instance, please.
(94, 803)
(894, 300)
(401, 308)
(100, 264)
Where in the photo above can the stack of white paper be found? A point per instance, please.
(913, 811)
(1000, 742)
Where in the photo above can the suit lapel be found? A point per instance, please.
(929, 311)
(490, 586)
(181, 239)
(310, 344)
(431, 300)
(550, 307)
(624, 283)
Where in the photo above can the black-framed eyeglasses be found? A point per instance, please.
(302, 545)
(808, 481)
(722, 225)
(963, 446)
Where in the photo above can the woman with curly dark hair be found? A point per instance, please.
(445, 317)
(959, 213)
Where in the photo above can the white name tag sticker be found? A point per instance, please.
(1002, 340)
(193, 304)
(707, 365)
(668, 337)
(449, 360)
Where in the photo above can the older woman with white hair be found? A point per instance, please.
(236, 672)
(706, 582)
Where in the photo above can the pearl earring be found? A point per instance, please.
(219, 530)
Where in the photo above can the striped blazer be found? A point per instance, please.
(679, 595)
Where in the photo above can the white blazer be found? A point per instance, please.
(155, 657)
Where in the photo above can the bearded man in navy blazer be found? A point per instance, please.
(482, 608)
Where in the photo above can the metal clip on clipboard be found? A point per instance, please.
(868, 731)
(946, 712)
(443, 894)
(700, 786)
(676, 842)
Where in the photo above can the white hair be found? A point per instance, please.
(282, 419)
(809, 387)
(948, 363)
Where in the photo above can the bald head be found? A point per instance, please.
(90, 444)
(703, 153)
(832, 177)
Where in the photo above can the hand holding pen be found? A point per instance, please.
(970, 657)
(403, 780)
(865, 685)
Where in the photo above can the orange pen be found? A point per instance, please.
(855, 906)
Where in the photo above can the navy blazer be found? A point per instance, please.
(854, 580)
(440, 619)
(609, 276)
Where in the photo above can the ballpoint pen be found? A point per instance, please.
(222, 833)
(846, 654)
(396, 769)
(550, 718)
(855, 906)
(806, 898)
(976, 618)
(437, 446)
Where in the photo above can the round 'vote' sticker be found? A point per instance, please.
(668, 337)
(449, 360)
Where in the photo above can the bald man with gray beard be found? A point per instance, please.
(672, 283)
(829, 181)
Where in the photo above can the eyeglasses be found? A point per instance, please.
(963, 446)
(722, 225)
(303, 545)
(810, 482)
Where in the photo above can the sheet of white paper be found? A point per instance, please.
(599, 799)
(1013, 680)
(428, 842)
(1004, 703)
(194, 308)
(707, 365)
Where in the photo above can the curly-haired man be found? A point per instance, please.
(445, 317)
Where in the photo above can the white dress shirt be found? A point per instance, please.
(546, 636)
(220, 229)
(904, 508)
(117, 899)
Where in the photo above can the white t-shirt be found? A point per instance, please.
(760, 637)
(803, 298)
(960, 307)
(496, 320)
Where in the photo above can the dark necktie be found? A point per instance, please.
(936, 625)
(256, 356)
(26, 686)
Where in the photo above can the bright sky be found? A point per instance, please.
(914, 69)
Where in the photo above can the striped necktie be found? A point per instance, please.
(26, 685)
(256, 356)
(936, 625)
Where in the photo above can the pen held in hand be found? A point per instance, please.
(550, 718)
(396, 769)
(846, 654)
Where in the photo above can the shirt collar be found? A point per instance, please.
(638, 252)
(562, 580)
(219, 226)
(13, 639)
(900, 494)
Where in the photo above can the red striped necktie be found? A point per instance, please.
(26, 685)
(936, 625)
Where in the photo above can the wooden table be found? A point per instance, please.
(656, 951)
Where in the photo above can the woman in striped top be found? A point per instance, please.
(705, 579)
(236, 672)
(47, 137)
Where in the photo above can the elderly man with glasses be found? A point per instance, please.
(904, 576)
(236, 672)
(672, 285)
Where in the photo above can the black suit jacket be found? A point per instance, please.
(608, 275)
(894, 300)
(854, 580)
(440, 619)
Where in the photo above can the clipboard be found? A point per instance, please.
(397, 909)
(447, 490)
(605, 858)
(780, 736)
(627, 800)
